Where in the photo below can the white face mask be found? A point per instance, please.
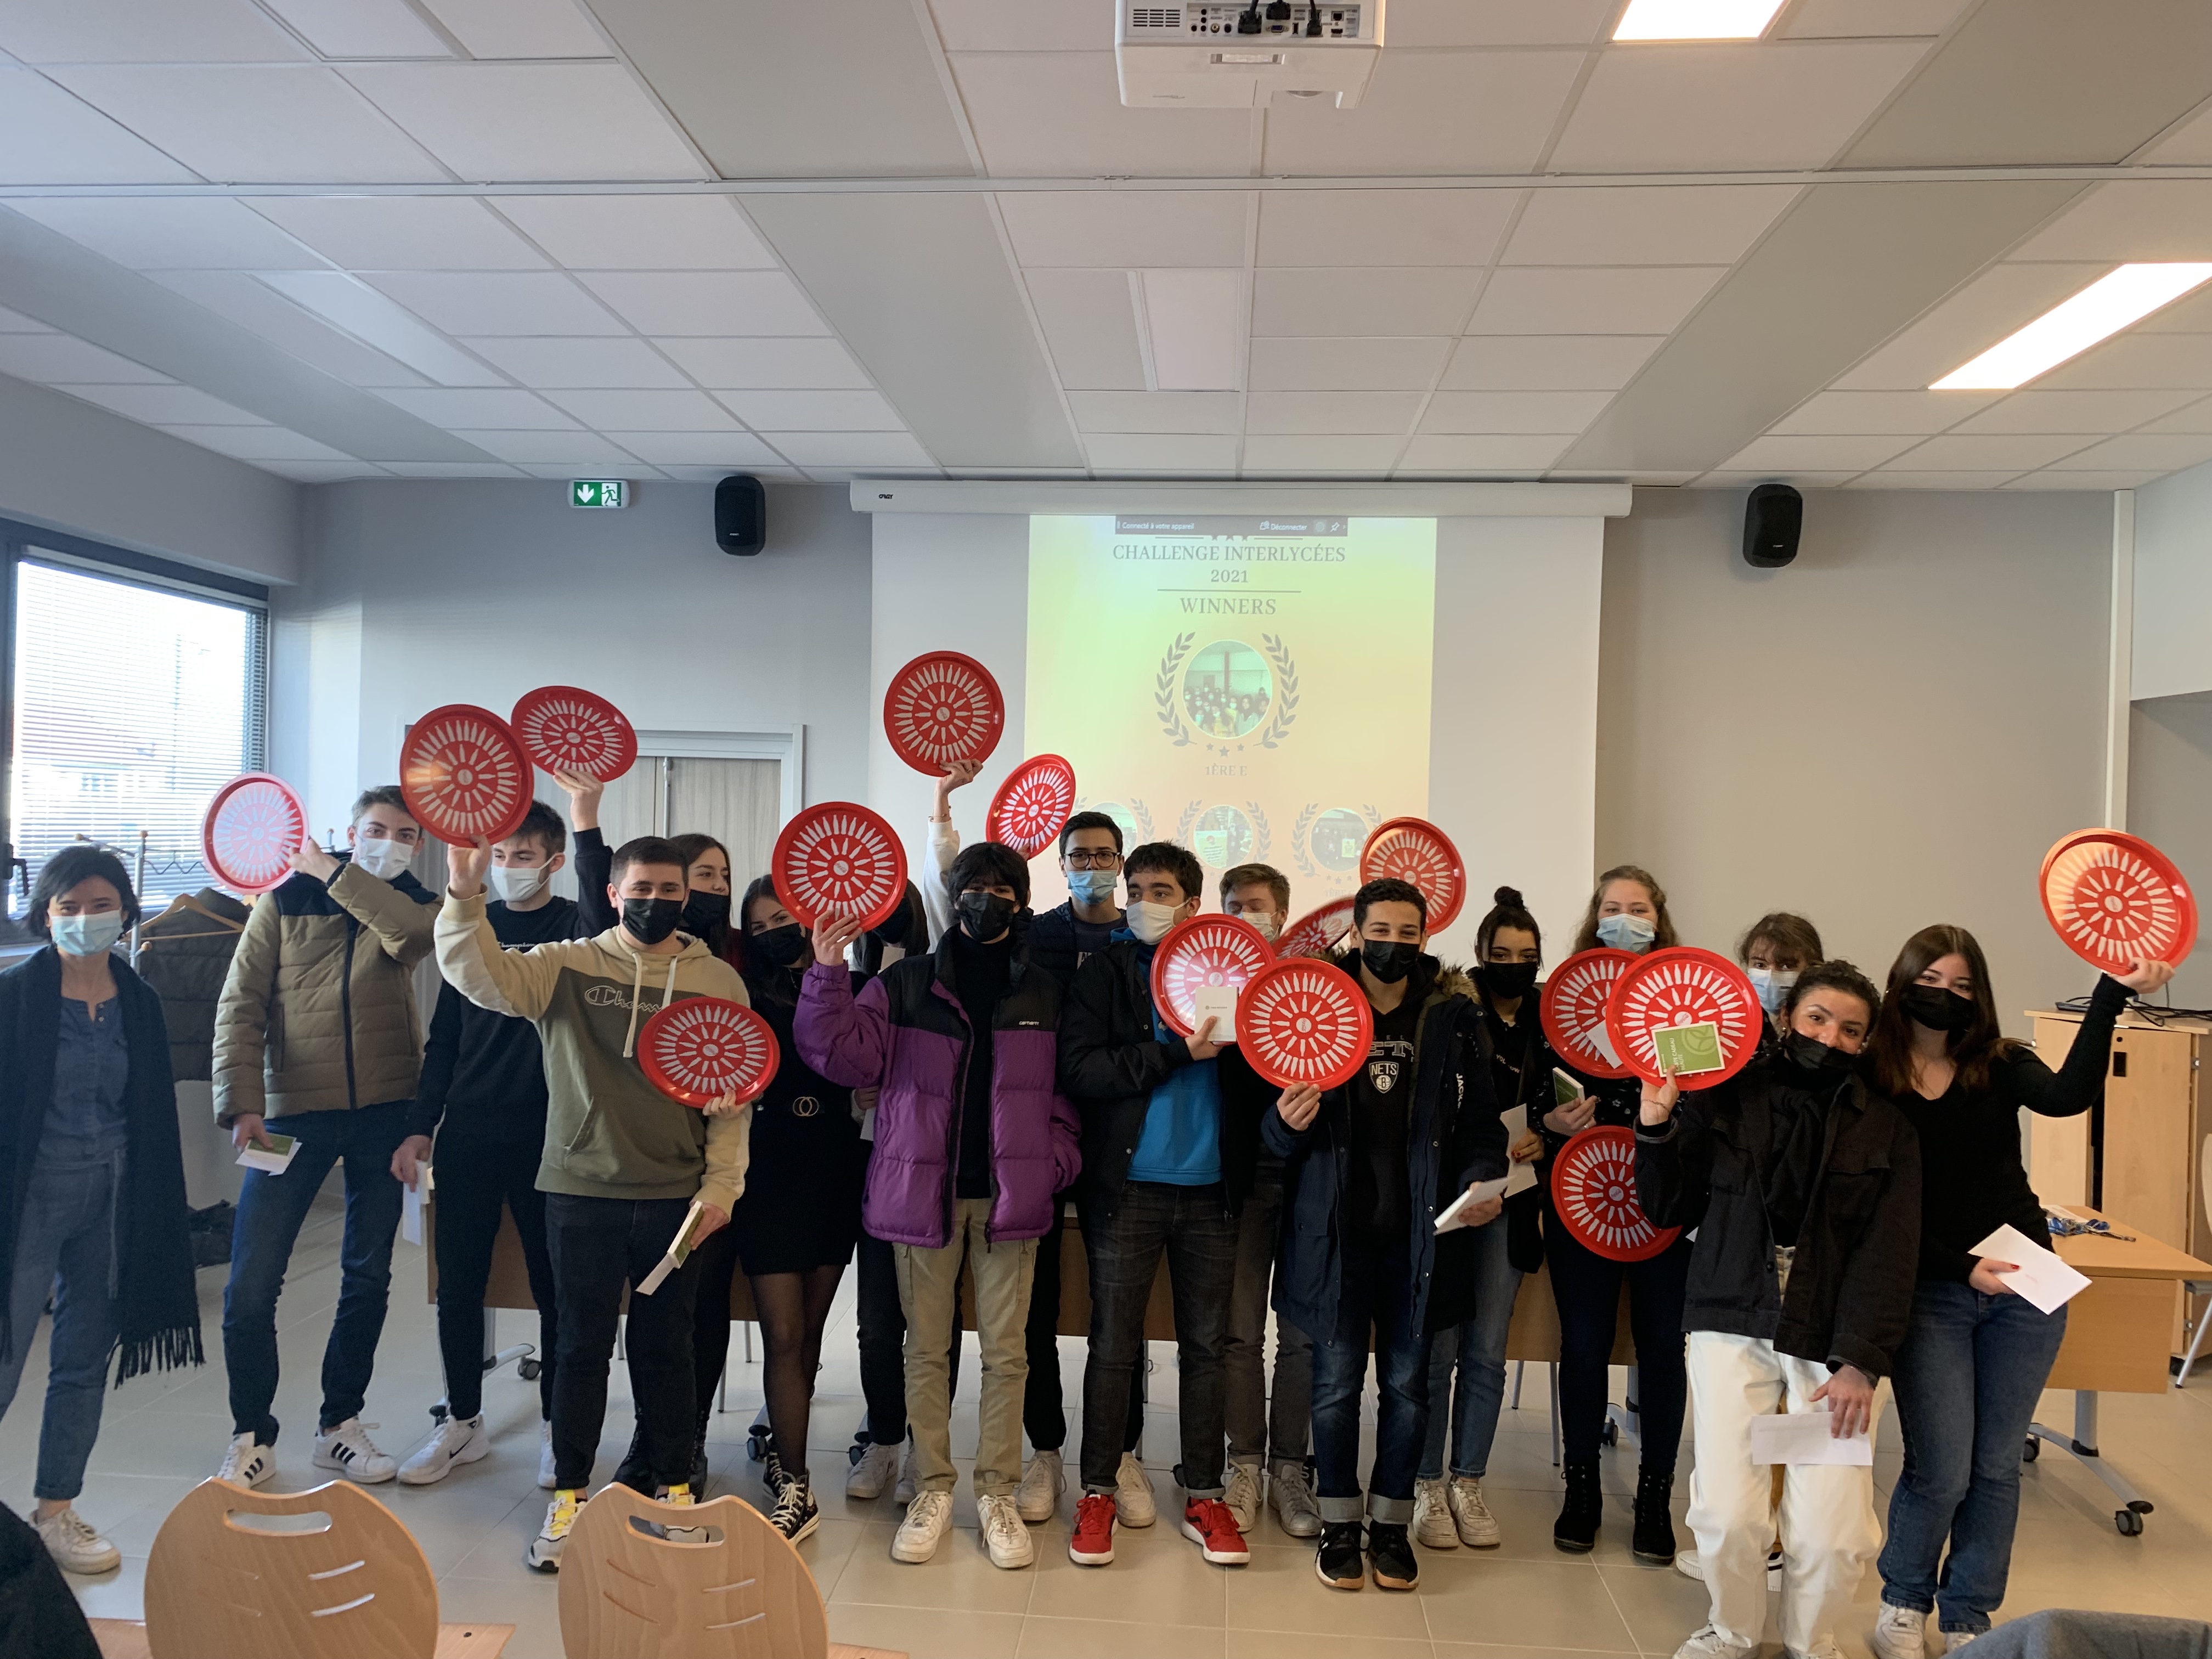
(385, 858)
(1150, 922)
(1626, 932)
(519, 884)
(88, 936)
(1773, 986)
(1266, 921)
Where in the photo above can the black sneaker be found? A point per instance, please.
(1338, 1560)
(1390, 1554)
(795, 1513)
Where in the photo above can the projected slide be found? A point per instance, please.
(1256, 689)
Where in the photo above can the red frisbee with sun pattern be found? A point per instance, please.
(1684, 986)
(2117, 900)
(1032, 804)
(1206, 951)
(1594, 1194)
(697, 1050)
(1573, 1011)
(1304, 1021)
(1415, 850)
(568, 730)
(942, 707)
(465, 775)
(253, 826)
(1318, 932)
(839, 859)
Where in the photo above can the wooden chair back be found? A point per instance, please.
(628, 1595)
(357, 1589)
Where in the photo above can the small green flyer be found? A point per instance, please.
(1686, 1049)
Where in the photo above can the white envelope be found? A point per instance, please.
(412, 1200)
(1521, 1177)
(274, 1159)
(1218, 1004)
(2044, 1279)
(1803, 1438)
(1455, 1215)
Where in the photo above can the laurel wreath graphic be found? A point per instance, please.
(1286, 690)
(1170, 709)
(1260, 825)
(1182, 824)
(1298, 838)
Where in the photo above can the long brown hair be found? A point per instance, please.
(1972, 1050)
(1664, 934)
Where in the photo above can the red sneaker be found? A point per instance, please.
(1092, 1544)
(1207, 1523)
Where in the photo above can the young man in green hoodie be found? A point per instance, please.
(623, 1162)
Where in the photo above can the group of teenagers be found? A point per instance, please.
(951, 1080)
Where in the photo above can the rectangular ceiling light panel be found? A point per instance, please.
(1195, 323)
(1696, 20)
(2098, 311)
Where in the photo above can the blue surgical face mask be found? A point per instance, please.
(1773, 986)
(1092, 886)
(1626, 932)
(88, 936)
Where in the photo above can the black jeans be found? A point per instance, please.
(881, 1327)
(713, 1266)
(1045, 1413)
(1587, 1287)
(477, 1178)
(599, 1244)
(1191, 1225)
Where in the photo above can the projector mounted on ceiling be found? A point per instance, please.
(1229, 56)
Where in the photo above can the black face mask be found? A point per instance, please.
(892, 929)
(1389, 960)
(1937, 1009)
(1817, 1056)
(1506, 981)
(985, 915)
(704, 911)
(779, 947)
(651, 920)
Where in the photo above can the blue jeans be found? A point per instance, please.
(1478, 1346)
(270, 1209)
(1968, 1376)
(65, 1248)
(1377, 1295)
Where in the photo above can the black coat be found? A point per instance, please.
(1858, 1247)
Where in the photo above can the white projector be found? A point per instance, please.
(1227, 56)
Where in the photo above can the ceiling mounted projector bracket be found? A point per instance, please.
(1225, 55)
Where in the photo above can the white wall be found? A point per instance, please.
(2173, 586)
(2170, 806)
(68, 466)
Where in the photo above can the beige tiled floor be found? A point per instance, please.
(1526, 1598)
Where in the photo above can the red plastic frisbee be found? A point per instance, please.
(1304, 1021)
(568, 730)
(1207, 950)
(1573, 1011)
(942, 707)
(465, 775)
(2117, 900)
(698, 1049)
(839, 859)
(1684, 986)
(253, 826)
(1031, 805)
(1593, 1193)
(1318, 932)
(1415, 850)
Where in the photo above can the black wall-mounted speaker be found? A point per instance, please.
(1773, 518)
(741, 514)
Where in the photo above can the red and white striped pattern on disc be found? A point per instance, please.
(1593, 1193)
(1318, 932)
(569, 730)
(1304, 1021)
(1684, 986)
(697, 1050)
(1206, 951)
(253, 826)
(1032, 804)
(942, 707)
(2117, 900)
(1572, 1007)
(465, 775)
(839, 859)
(1414, 850)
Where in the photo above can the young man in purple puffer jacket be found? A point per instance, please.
(973, 1137)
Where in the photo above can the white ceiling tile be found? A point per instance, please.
(158, 405)
(1723, 480)
(1060, 114)
(530, 120)
(1216, 413)
(361, 28)
(549, 448)
(338, 298)
(1125, 230)
(1430, 112)
(614, 463)
(250, 303)
(1992, 306)
(454, 408)
(687, 474)
(50, 136)
(193, 234)
(1124, 451)
(1513, 412)
(1420, 300)
(640, 233)
(2198, 417)
(708, 302)
(1491, 453)
(520, 28)
(826, 473)
(2130, 219)
(1089, 324)
(1833, 19)
(1385, 226)
(814, 411)
(1984, 479)
(401, 233)
(1913, 414)
(494, 302)
(1548, 362)
(1346, 365)
(2098, 412)
(1591, 299)
(2191, 314)
(14, 322)
(855, 449)
(1016, 25)
(1821, 454)
(257, 443)
(2055, 479)
(1640, 225)
(450, 470)
(1496, 22)
(322, 472)
(767, 364)
(579, 362)
(1337, 454)
(65, 360)
(645, 412)
(729, 450)
(1194, 323)
(1984, 452)
(2138, 359)
(143, 32)
(1277, 412)
(2141, 451)
(1765, 104)
(257, 123)
(2189, 145)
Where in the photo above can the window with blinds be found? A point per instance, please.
(133, 705)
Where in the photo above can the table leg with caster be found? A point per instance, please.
(2081, 1446)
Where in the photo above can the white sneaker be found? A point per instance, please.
(1003, 1535)
(1477, 1527)
(1955, 1639)
(903, 1493)
(545, 1478)
(1432, 1518)
(1043, 1482)
(1710, 1643)
(75, 1546)
(1243, 1495)
(1290, 1490)
(1133, 1504)
(928, 1518)
(248, 1462)
(543, 1554)
(347, 1448)
(1899, 1634)
(681, 1497)
(872, 1475)
(459, 1440)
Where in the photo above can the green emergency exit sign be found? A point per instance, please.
(598, 492)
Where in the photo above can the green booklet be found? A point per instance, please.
(1685, 1049)
(1566, 1092)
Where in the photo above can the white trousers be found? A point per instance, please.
(1826, 1522)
